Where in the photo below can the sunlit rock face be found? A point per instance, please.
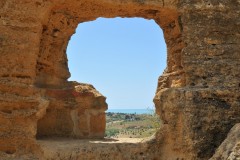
(230, 148)
(197, 98)
(76, 111)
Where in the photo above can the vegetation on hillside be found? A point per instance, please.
(122, 125)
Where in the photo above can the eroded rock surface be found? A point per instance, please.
(197, 98)
(230, 148)
(95, 149)
(75, 111)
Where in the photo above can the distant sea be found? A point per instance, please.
(131, 111)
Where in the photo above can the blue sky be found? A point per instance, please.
(121, 57)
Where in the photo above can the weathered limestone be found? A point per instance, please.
(198, 96)
(230, 148)
(71, 113)
(95, 149)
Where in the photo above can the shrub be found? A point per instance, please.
(111, 132)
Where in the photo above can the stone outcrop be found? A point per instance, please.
(197, 98)
(76, 111)
(230, 148)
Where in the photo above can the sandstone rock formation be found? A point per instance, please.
(197, 98)
(230, 148)
(76, 111)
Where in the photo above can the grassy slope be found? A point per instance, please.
(131, 125)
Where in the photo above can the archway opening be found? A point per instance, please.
(122, 58)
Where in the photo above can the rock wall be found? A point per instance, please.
(197, 97)
(230, 148)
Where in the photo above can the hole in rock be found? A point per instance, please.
(122, 58)
(10, 151)
(7, 111)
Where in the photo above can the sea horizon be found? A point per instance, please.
(131, 111)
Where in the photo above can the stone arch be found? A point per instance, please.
(197, 97)
(52, 70)
(64, 19)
